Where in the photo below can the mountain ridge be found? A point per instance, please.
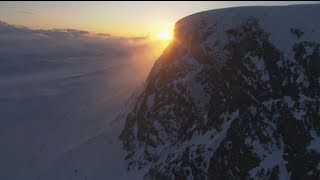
(234, 95)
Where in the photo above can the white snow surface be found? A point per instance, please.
(210, 141)
(274, 20)
(150, 100)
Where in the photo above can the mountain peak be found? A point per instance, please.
(235, 95)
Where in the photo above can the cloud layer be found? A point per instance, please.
(23, 47)
(17, 41)
(59, 88)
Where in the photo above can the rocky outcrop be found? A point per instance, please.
(234, 96)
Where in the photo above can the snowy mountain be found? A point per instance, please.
(234, 96)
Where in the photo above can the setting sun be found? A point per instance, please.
(165, 35)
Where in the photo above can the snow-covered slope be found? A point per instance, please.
(234, 96)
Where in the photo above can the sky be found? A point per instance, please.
(118, 18)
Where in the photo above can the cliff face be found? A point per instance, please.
(235, 95)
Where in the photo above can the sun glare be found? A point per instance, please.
(165, 35)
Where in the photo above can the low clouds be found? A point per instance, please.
(26, 12)
(61, 83)
(103, 34)
(24, 50)
(16, 41)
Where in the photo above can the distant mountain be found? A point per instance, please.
(234, 96)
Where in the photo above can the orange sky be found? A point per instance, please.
(139, 18)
